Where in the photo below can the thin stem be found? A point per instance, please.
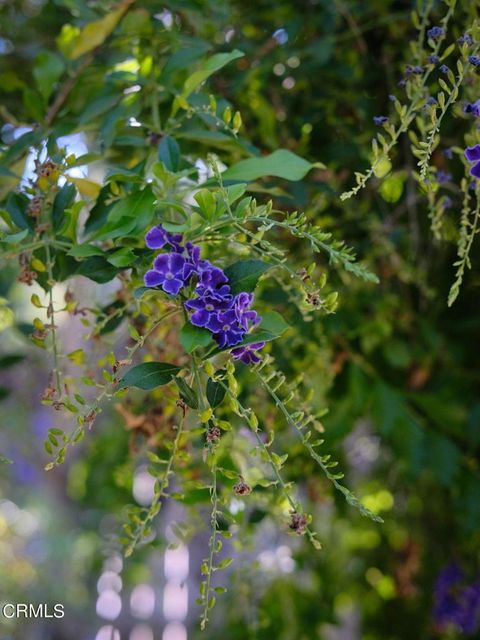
(212, 546)
(51, 314)
(163, 483)
(296, 507)
(351, 499)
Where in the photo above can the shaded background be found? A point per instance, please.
(398, 369)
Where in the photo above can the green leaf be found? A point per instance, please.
(122, 258)
(169, 153)
(187, 394)
(63, 200)
(47, 70)
(14, 238)
(281, 164)
(274, 323)
(85, 251)
(10, 360)
(244, 275)
(95, 33)
(206, 202)
(192, 337)
(215, 393)
(16, 206)
(133, 212)
(209, 67)
(382, 167)
(97, 269)
(149, 375)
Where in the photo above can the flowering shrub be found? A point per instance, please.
(149, 206)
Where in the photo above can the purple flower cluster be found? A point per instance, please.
(465, 39)
(212, 305)
(413, 70)
(472, 154)
(435, 33)
(457, 603)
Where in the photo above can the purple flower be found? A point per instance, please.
(170, 271)
(465, 39)
(475, 60)
(245, 315)
(443, 176)
(226, 329)
(158, 237)
(444, 69)
(472, 154)
(433, 59)
(247, 353)
(475, 171)
(379, 120)
(435, 33)
(448, 153)
(456, 603)
(210, 277)
(206, 307)
(472, 108)
(431, 101)
(416, 70)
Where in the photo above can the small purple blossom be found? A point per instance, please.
(245, 315)
(247, 353)
(444, 69)
(211, 277)
(206, 307)
(448, 153)
(170, 271)
(415, 70)
(226, 329)
(472, 154)
(472, 108)
(433, 59)
(158, 237)
(380, 120)
(435, 33)
(431, 101)
(443, 176)
(475, 60)
(456, 603)
(465, 39)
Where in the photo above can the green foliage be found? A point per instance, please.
(149, 375)
(246, 147)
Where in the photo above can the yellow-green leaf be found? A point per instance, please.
(95, 33)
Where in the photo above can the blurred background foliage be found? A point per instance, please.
(397, 369)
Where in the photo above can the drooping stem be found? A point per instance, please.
(51, 316)
(212, 547)
(162, 483)
(296, 507)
